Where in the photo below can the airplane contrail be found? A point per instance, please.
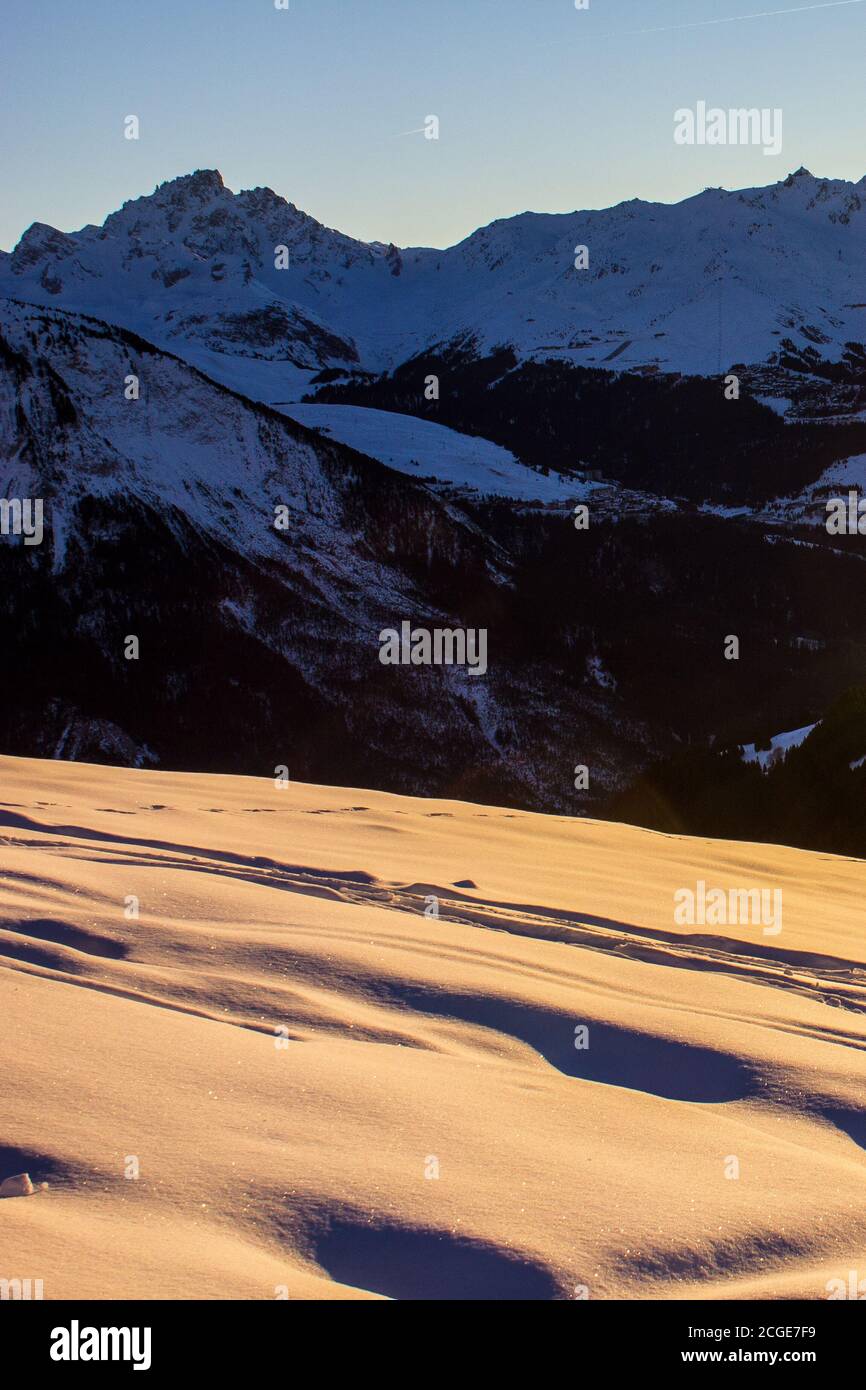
(736, 18)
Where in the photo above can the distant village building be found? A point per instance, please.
(588, 475)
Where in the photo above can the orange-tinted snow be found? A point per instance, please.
(328, 1091)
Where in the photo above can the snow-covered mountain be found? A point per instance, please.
(722, 278)
(257, 563)
(260, 644)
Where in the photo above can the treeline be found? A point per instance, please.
(812, 799)
(671, 435)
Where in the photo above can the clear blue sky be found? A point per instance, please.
(541, 106)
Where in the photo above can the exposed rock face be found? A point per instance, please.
(17, 1186)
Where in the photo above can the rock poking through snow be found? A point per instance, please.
(17, 1186)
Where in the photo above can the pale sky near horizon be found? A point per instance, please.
(542, 106)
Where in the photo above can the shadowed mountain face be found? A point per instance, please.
(259, 647)
(257, 561)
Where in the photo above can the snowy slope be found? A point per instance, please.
(201, 457)
(297, 916)
(427, 450)
(183, 447)
(809, 507)
(722, 278)
(466, 465)
(780, 746)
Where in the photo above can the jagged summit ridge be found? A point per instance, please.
(723, 277)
